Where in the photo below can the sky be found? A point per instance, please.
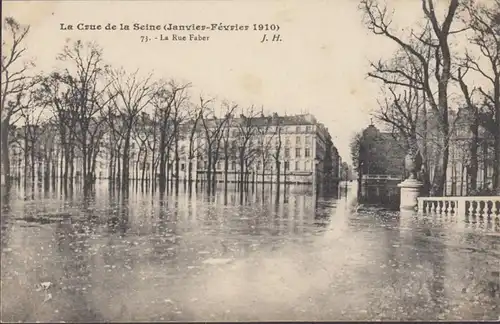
(318, 67)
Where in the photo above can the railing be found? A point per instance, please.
(380, 177)
(486, 207)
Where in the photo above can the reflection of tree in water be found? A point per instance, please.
(5, 219)
(413, 273)
(482, 278)
(76, 284)
(118, 222)
(381, 195)
(164, 240)
(322, 211)
(429, 241)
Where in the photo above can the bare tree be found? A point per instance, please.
(167, 98)
(87, 83)
(32, 114)
(57, 96)
(267, 134)
(435, 72)
(212, 128)
(141, 134)
(277, 122)
(229, 151)
(484, 21)
(193, 148)
(179, 114)
(247, 130)
(473, 120)
(15, 83)
(133, 94)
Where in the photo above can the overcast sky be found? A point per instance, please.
(319, 66)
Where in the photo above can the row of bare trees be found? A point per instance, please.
(86, 109)
(445, 74)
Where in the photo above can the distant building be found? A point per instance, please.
(381, 155)
(380, 167)
(458, 172)
(306, 150)
(307, 153)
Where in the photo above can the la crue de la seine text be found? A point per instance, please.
(171, 27)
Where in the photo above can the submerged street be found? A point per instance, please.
(152, 257)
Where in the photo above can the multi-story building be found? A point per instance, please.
(383, 157)
(302, 146)
(458, 172)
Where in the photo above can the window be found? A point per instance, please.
(308, 140)
(297, 166)
(308, 128)
(183, 167)
(287, 165)
(233, 165)
(297, 139)
(287, 152)
(297, 129)
(308, 167)
(218, 165)
(307, 152)
(297, 152)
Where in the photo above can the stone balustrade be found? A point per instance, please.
(486, 207)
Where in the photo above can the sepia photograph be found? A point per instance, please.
(250, 161)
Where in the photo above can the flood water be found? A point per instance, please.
(153, 257)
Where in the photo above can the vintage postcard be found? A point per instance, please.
(237, 160)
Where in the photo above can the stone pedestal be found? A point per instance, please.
(410, 191)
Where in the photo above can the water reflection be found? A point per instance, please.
(148, 256)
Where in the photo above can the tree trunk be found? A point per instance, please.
(485, 162)
(176, 153)
(473, 167)
(33, 162)
(126, 161)
(209, 171)
(214, 175)
(496, 158)
(242, 172)
(163, 162)
(226, 167)
(72, 164)
(144, 161)
(190, 176)
(4, 143)
(153, 169)
(440, 168)
(278, 171)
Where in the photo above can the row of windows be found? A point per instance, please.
(287, 141)
(284, 129)
(233, 166)
(298, 152)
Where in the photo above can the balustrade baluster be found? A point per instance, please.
(471, 209)
(477, 214)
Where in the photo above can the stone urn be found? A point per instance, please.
(413, 164)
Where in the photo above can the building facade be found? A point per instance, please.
(303, 147)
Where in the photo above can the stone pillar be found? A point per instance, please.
(410, 191)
